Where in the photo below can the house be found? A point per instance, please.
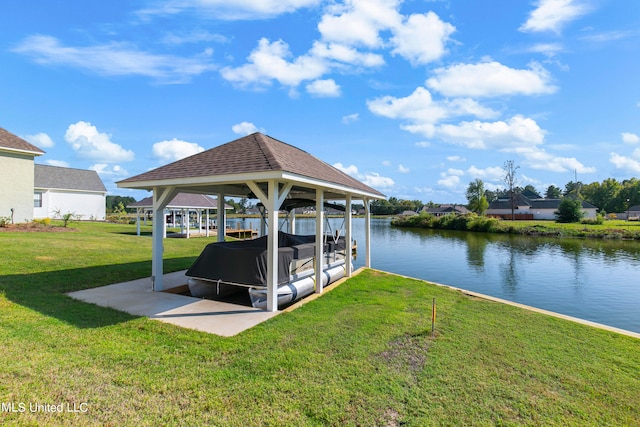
(16, 177)
(59, 190)
(633, 213)
(445, 210)
(529, 205)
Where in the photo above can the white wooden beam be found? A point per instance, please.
(319, 238)
(367, 233)
(138, 221)
(272, 246)
(222, 223)
(161, 197)
(348, 236)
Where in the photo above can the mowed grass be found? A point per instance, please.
(361, 354)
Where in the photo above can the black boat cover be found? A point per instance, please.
(245, 262)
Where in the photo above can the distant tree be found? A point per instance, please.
(574, 190)
(553, 192)
(381, 207)
(605, 195)
(243, 204)
(113, 201)
(490, 195)
(510, 182)
(475, 196)
(569, 210)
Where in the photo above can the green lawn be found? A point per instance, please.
(361, 354)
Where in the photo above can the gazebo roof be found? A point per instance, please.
(256, 157)
(182, 201)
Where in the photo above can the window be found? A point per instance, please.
(37, 199)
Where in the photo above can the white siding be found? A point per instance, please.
(16, 186)
(84, 205)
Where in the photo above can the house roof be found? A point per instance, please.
(183, 200)
(522, 200)
(226, 168)
(46, 177)
(11, 142)
(446, 209)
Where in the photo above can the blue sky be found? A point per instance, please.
(416, 98)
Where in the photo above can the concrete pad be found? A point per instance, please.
(136, 297)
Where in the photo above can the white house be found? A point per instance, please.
(66, 190)
(16, 177)
(530, 205)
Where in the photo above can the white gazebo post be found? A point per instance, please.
(161, 197)
(272, 202)
(138, 221)
(292, 221)
(348, 248)
(319, 238)
(367, 233)
(207, 223)
(222, 223)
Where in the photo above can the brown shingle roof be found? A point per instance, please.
(253, 153)
(14, 143)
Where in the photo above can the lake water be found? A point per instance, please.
(597, 280)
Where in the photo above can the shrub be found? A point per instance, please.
(598, 220)
(570, 210)
(43, 221)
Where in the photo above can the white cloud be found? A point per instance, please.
(40, 140)
(359, 22)
(372, 179)
(548, 49)
(489, 79)
(195, 36)
(85, 140)
(346, 54)
(403, 169)
(268, 63)
(421, 108)
(350, 118)
(492, 173)
(516, 131)
(114, 59)
(455, 172)
(456, 159)
(351, 170)
(246, 128)
(610, 36)
(60, 163)
(537, 158)
(375, 180)
(630, 138)
(552, 15)
(324, 88)
(104, 169)
(421, 38)
(175, 149)
(625, 163)
(423, 144)
(229, 10)
(449, 181)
